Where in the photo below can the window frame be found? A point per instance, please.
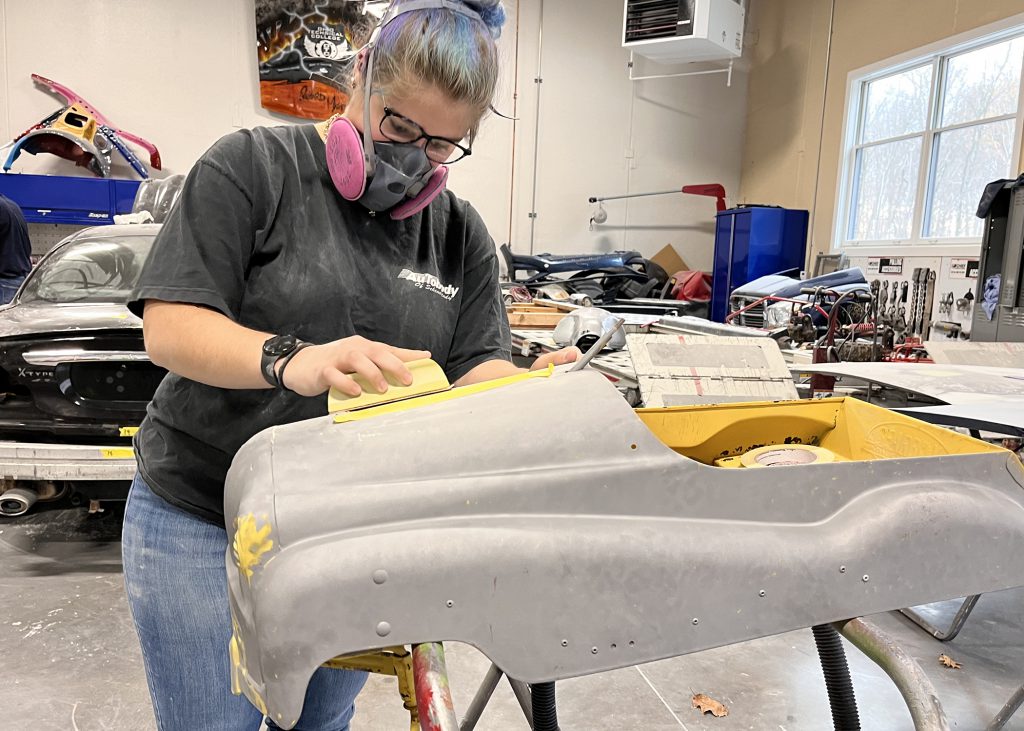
(938, 55)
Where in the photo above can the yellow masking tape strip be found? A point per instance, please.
(437, 398)
(118, 453)
(128, 431)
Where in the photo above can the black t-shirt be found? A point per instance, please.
(261, 235)
(15, 247)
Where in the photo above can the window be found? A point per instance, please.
(923, 139)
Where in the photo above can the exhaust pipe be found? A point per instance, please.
(17, 501)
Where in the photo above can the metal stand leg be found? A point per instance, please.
(483, 695)
(433, 696)
(913, 684)
(954, 629)
(522, 691)
(1006, 711)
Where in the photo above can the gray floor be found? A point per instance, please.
(69, 659)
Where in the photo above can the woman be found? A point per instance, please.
(279, 274)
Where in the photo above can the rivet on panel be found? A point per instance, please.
(865, 578)
(565, 643)
(695, 621)
(842, 569)
(449, 604)
(593, 650)
(762, 593)
(632, 643)
(383, 629)
(380, 576)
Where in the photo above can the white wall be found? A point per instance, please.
(680, 131)
(183, 73)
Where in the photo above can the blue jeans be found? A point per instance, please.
(9, 288)
(176, 581)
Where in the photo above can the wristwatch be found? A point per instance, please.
(274, 349)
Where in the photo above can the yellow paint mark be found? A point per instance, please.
(128, 431)
(118, 453)
(120, 317)
(250, 543)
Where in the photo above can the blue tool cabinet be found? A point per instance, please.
(62, 199)
(751, 242)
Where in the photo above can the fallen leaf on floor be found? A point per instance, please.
(949, 662)
(707, 704)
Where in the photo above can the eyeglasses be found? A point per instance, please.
(397, 128)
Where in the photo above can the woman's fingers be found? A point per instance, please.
(407, 355)
(360, 363)
(392, 366)
(344, 383)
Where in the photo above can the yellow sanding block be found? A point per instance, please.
(429, 386)
(427, 377)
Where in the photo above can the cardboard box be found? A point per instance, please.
(669, 260)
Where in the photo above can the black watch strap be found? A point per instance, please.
(274, 349)
(284, 364)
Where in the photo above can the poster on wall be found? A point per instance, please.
(306, 50)
(963, 268)
(885, 265)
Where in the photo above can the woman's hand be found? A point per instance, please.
(317, 368)
(557, 357)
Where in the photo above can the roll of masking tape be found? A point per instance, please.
(787, 455)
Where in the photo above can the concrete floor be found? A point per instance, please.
(70, 659)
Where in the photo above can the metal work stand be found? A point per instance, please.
(486, 690)
(913, 684)
(1007, 711)
(959, 619)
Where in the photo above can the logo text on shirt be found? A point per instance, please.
(430, 283)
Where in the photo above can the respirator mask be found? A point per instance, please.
(385, 176)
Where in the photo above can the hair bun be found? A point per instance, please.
(492, 12)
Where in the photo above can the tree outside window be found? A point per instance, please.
(928, 137)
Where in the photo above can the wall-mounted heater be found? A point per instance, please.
(679, 31)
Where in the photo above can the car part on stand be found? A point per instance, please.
(923, 492)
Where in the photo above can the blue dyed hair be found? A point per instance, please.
(442, 48)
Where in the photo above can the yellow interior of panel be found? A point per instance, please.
(853, 430)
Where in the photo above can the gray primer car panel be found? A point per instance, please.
(568, 551)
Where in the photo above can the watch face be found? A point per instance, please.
(281, 345)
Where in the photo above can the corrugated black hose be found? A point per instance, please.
(841, 697)
(542, 699)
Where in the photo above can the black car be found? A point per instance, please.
(73, 365)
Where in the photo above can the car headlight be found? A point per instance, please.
(778, 315)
